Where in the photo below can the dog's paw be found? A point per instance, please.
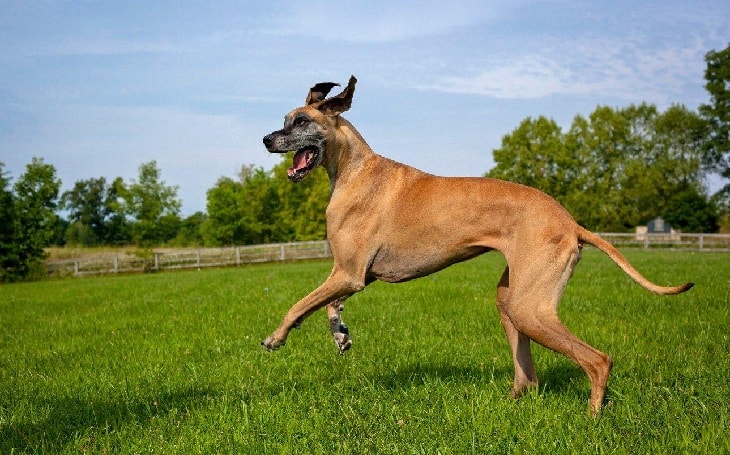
(270, 344)
(343, 342)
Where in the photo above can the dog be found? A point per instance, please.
(391, 222)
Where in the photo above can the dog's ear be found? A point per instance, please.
(319, 92)
(339, 103)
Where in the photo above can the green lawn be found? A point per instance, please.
(171, 363)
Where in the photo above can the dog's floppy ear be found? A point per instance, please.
(319, 92)
(338, 103)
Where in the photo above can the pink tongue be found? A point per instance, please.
(300, 159)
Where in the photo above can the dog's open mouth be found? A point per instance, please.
(304, 161)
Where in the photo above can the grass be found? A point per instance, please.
(171, 363)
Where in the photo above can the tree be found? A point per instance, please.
(152, 204)
(190, 230)
(302, 204)
(9, 259)
(243, 211)
(534, 154)
(90, 205)
(264, 206)
(117, 224)
(691, 211)
(34, 218)
(668, 163)
(717, 115)
(614, 170)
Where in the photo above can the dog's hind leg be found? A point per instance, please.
(532, 308)
(340, 332)
(519, 343)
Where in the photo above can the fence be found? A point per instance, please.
(221, 257)
(674, 241)
(190, 259)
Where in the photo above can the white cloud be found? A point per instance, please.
(532, 77)
(616, 68)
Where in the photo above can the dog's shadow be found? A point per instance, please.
(560, 378)
(421, 374)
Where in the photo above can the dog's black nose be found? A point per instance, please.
(268, 139)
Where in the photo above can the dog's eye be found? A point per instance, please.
(299, 121)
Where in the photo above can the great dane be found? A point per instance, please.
(388, 221)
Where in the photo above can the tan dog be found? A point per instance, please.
(388, 221)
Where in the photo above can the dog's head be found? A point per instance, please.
(308, 129)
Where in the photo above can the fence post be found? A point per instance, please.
(76, 267)
(646, 241)
(116, 264)
(197, 254)
(157, 262)
(282, 252)
(701, 242)
(238, 255)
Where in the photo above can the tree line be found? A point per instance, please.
(613, 170)
(619, 168)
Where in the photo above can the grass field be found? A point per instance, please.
(171, 363)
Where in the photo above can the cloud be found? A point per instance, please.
(624, 69)
(531, 77)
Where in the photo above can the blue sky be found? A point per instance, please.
(98, 88)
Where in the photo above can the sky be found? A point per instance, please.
(97, 88)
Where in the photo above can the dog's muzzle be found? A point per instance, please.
(304, 161)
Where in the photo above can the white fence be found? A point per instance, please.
(222, 257)
(675, 241)
(190, 259)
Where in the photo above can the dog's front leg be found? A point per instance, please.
(338, 286)
(340, 332)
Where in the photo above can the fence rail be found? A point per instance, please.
(221, 257)
(190, 259)
(674, 241)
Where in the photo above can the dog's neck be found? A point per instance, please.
(348, 155)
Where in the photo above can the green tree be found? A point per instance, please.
(9, 258)
(190, 232)
(34, 219)
(117, 224)
(667, 162)
(613, 170)
(534, 154)
(691, 211)
(243, 211)
(90, 205)
(604, 144)
(264, 206)
(152, 205)
(717, 114)
(222, 224)
(302, 204)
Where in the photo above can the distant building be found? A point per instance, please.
(658, 229)
(658, 226)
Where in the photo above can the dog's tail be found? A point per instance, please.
(590, 238)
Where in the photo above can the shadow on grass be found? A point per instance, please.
(71, 418)
(420, 373)
(561, 378)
